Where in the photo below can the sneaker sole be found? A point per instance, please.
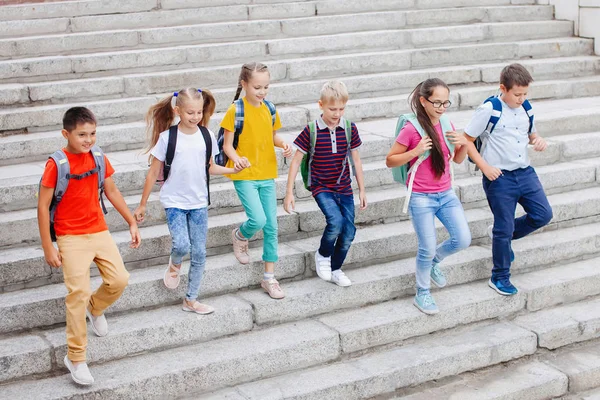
(196, 311)
(275, 298)
(500, 292)
(428, 312)
(341, 284)
(77, 381)
(438, 285)
(89, 316)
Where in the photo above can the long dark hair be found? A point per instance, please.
(425, 89)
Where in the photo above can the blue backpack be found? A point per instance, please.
(480, 142)
(401, 173)
(221, 158)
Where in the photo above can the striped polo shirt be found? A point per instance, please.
(330, 151)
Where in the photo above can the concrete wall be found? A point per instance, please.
(585, 14)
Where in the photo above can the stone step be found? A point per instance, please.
(289, 27)
(580, 364)
(243, 12)
(22, 223)
(564, 325)
(205, 366)
(200, 55)
(380, 373)
(359, 329)
(531, 380)
(407, 63)
(44, 305)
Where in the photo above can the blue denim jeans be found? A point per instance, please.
(423, 209)
(188, 230)
(519, 186)
(259, 199)
(340, 230)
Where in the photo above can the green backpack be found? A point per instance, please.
(308, 157)
(401, 173)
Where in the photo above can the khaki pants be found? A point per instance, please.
(77, 253)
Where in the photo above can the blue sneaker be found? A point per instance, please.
(424, 302)
(491, 235)
(437, 276)
(503, 287)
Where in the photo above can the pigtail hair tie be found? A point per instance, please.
(199, 90)
(175, 94)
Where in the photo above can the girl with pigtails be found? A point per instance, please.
(249, 140)
(178, 160)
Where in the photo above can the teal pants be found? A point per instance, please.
(259, 199)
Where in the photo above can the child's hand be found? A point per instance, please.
(289, 204)
(236, 169)
(423, 146)
(492, 173)
(287, 150)
(539, 143)
(362, 196)
(136, 239)
(52, 257)
(456, 138)
(139, 214)
(241, 163)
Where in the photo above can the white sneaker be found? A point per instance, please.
(339, 278)
(99, 324)
(80, 373)
(323, 266)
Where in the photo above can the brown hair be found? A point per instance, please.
(515, 75)
(425, 89)
(246, 74)
(77, 115)
(161, 115)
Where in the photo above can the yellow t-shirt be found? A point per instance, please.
(255, 142)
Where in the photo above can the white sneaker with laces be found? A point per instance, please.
(339, 278)
(80, 373)
(99, 324)
(323, 266)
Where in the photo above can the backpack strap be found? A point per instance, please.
(496, 113)
(171, 146)
(208, 143)
(101, 171)
(63, 171)
(272, 110)
(312, 129)
(446, 126)
(529, 110)
(239, 116)
(348, 131)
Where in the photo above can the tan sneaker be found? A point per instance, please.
(171, 277)
(240, 248)
(196, 307)
(272, 287)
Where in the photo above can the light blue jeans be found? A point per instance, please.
(259, 199)
(423, 209)
(188, 230)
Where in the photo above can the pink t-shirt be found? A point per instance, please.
(425, 180)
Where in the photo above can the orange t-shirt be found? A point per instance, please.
(79, 211)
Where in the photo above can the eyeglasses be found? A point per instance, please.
(439, 104)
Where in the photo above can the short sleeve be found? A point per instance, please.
(50, 174)
(355, 141)
(159, 151)
(480, 120)
(302, 142)
(228, 122)
(215, 147)
(407, 135)
(109, 168)
(277, 124)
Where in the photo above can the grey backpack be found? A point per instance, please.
(64, 176)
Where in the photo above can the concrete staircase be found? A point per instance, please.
(321, 341)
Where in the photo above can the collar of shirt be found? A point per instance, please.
(322, 125)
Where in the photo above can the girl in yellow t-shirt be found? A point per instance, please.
(255, 155)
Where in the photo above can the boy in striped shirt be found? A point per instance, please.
(330, 180)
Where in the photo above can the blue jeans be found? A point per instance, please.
(259, 199)
(423, 209)
(188, 230)
(519, 186)
(340, 230)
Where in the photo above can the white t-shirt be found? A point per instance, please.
(186, 186)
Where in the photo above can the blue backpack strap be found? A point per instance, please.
(529, 110)
(272, 110)
(208, 144)
(446, 127)
(239, 116)
(496, 113)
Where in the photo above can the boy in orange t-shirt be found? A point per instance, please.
(82, 236)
